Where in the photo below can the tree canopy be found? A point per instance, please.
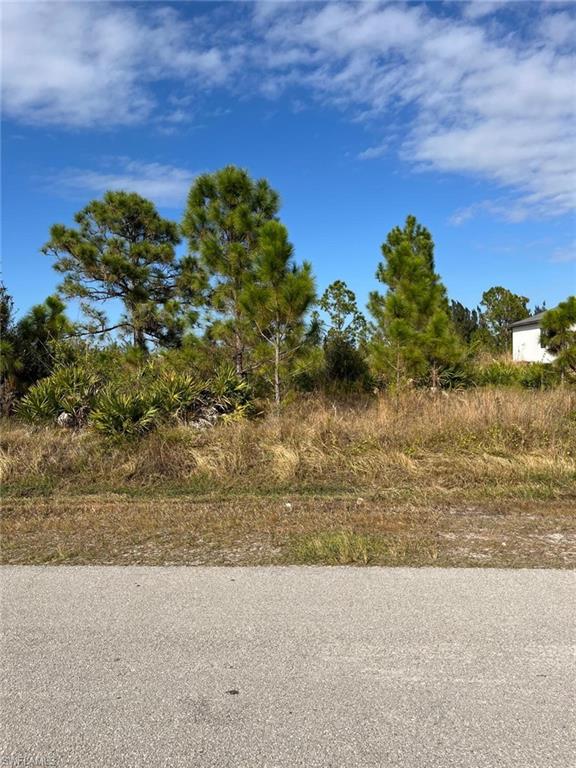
(224, 215)
(122, 249)
(502, 308)
(346, 335)
(278, 297)
(414, 336)
(239, 298)
(558, 334)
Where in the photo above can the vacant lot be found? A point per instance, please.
(482, 478)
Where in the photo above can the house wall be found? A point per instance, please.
(526, 346)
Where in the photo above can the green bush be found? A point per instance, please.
(457, 376)
(308, 371)
(70, 391)
(528, 375)
(538, 375)
(179, 395)
(496, 373)
(229, 392)
(124, 414)
(119, 401)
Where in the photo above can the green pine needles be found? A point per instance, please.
(123, 250)
(223, 220)
(219, 331)
(414, 338)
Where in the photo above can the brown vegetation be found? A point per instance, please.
(481, 477)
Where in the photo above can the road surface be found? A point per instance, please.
(282, 667)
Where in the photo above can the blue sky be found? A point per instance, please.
(358, 114)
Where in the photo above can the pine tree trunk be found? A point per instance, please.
(238, 355)
(277, 371)
(238, 344)
(138, 337)
(139, 340)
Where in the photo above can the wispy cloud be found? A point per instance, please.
(92, 64)
(481, 99)
(476, 9)
(554, 249)
(473, 91)
(564, 254)
(166, 185)
(373, 152)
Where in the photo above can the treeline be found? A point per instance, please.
(238, 301)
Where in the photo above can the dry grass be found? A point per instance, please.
(482, 477)
(249, 531)
(448, 442)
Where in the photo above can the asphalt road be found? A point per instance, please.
(287, 667)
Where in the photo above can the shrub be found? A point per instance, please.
(179, 395)
(119, 402)
(345, 364)
(497, 373)
(458, 376)
(308, 371)
(124, 414)
(538, 375)
(71, 391)
(528, 375)
(229, 389)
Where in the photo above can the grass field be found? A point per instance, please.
(478, 478)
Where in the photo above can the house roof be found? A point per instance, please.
(533, 320)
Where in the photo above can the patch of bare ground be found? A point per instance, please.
(184, 531)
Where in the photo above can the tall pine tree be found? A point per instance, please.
(558, 335)
(345, 338)
(501, 309)
(122, 249)
(224, 214)
(414, 337)
(465, 321)
(37, 334)
(277, 299)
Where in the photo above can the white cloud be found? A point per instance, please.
(559, 28)
(476, 9)
(511, 208)
(475, 98)
(564, 254)
(91, 64)
(165, 185)
(373, 152)
(452, 88)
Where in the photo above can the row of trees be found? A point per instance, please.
(238, 295)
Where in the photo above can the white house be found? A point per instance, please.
(526, 341)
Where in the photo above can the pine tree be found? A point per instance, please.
(465, 321)
(346, 335)
(502, 308)
(10, 362)
(558, 335)
(346, 320)
(30, 347)
(122, 249)
(414, 336)
(279, 296)
(36, 337)
(224, 214)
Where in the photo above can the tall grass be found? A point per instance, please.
(486, 438)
